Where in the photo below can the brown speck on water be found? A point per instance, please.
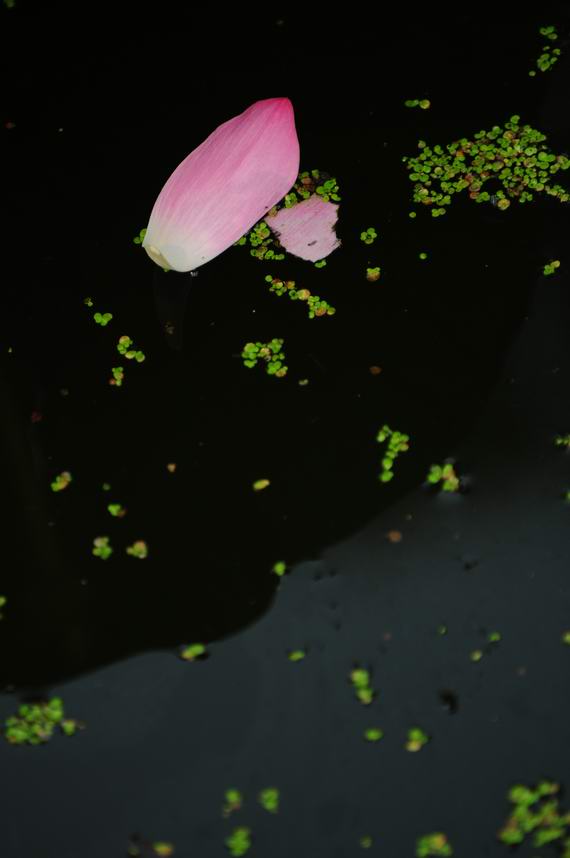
(171, 467)
(375, 370)
(394, 536)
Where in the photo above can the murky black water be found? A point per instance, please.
(472, 344)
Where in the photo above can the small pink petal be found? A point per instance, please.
(224, 186)
(307, 228)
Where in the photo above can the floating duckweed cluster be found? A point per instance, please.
(536, 810)
(369, 236)
(138, 239)
(316, 306)
(360, 680)
(320, 263)
(261, 241)
(116, 510)
(279, 568)
(444, 474)
(563, 441)
(313, 182)
(397, 443)
(435, 844)
(233, 801)
(515, 157)
(118, 374)
(261, 484)
(3, 601)
(238, 842)
(416, 739)
(373, 274)
(270, 352)
(549, 55)
(124, 348)
(373, 734)
(102, 547)
(102, 319)
(551, 267)
(36, 722)
(61, 482)
(297, 655)
(138, 549)
(269, 799)
(365, 841)
(424, 103)
(193, 651)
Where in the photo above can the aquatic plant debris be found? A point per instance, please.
(513, 155)
(551, 267)
(138, 239)
(3, 601)
(279, 568)
(238, 842)
(118, 374)
(424, 103)
(549, 55)
(116, 510)
(102, 319)
(193, 651)
(536, 812)
(61, 482)
(270, 352)
(373, 274)
(369, 236)
(124, 348)
(373, 734)
(297, 655)
(269, 799)
(233, 801)
(435, 844)
(224, 186)
(306, 229)
(360, 679)
(102, 547)
(398, 443)
(259, 485)
(35, 723)
(416, 739)
(445, 475)
(315, 306)
(138, 549)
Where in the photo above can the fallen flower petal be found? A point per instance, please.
(307, 229)
(224, 186)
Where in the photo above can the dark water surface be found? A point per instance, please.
(473, 346)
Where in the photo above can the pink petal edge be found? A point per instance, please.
(224, 186)
(307, 228)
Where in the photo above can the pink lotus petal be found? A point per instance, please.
(307, 228)
(224, 186)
